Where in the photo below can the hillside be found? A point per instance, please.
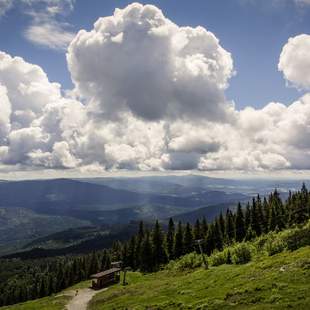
(44, 207)
(281, 281)
(209, 212)
(278, 282)
(19, 225)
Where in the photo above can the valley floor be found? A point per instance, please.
(281, 281)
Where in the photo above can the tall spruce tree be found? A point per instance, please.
(210, 239)
(255, 221)
(230, 230)
(178, 244)
(222, 223)
(218, 237)
(247, 217)
(132, 253)
(204, 227)
(188, 239)
(146, 257)
(159, 252)
(197, 230)
(240, 225)
(170, 239)
(266, 211)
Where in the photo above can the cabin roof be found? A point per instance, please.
(105, 273)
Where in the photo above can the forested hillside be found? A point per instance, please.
(148, 250)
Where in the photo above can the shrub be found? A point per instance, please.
(260, 242)
(221, 258)
(218, 258)
(189, 261)
(274, 245)
(241, 253)
(297, 238)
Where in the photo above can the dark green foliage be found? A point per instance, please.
(230, 229)
(32, 279)
(170, 239)
(241, 253)
(146, 259)
(217, 235)
(240, 224)
(204, 227)
(197, 230)
(159, 251)
(250, 234)
(178, 244)
(188, 239)
(247, 217)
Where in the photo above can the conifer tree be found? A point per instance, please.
(132, 253)
(240, 225)
(255, 221)
(210, 239)
(170, 239)
(197, 230)
(272, 219)
(94, 263)
(146, 260)
(125, 254)
(159, 252)
(247, 217)
(188, 239)
(218, 237)
(266, 212)
(179, 245)
(204, 227)
(222, 223)
(250, 234)
(140, 236)
(230, 230)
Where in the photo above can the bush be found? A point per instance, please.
(221, 258)
(241, 253)
(297, 238)
(260, 242)
(274, 245)
(218, 258)
(187, 262)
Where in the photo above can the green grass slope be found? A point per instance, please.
(281, 281)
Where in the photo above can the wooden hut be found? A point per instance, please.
(105, 278)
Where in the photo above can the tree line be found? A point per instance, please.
(149, 249)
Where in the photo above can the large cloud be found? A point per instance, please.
(139, 61)
(295, 61)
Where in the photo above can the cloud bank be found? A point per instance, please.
(149, 95)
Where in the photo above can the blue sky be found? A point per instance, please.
(253, 31)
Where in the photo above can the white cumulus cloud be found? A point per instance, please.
(295, 61)
(139, 61)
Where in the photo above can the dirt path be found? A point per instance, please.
(81, 300)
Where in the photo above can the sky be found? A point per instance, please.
(213, 86)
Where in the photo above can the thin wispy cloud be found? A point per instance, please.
(47, 27)
(5, 5)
